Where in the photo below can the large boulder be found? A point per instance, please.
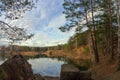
(70, 72)
(51, 78)
(85, 75)
(16, 68)
(37, 77)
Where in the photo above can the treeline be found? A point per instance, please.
(36, 49)
(28, 48)
(101, 18)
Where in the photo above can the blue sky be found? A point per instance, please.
(44, 22)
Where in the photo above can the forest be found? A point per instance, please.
(101, 18)
(95, 44)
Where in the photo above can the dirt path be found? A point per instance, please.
(105, 70)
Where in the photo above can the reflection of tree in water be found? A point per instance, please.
(2, 55)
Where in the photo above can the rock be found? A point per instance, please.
(37, 77)
(85, 75)
(16, 68)
(69, 72)
(51, 78)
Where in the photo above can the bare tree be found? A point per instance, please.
(14, 9)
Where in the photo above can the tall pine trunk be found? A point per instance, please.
(111, 30)
(93, 39)
(93, 35)
(118, 21)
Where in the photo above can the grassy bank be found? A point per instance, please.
(79, 56)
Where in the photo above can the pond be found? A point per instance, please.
(46, 66)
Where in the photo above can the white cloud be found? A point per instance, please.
(50, 34)
(44, 22)
(57, 21)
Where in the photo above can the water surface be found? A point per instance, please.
(46, 66)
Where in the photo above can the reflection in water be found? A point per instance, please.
(2, 58)
(46, 66)
(2, 61)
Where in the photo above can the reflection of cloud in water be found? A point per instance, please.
(2, 61)
(46, 66)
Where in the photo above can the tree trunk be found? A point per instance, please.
(118, 20)
(93, 40)
(111, 32)
(76, 42)
(90, 40)
(93, 36)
